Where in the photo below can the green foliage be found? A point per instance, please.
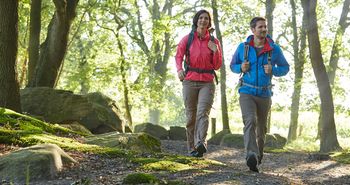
(93, 60)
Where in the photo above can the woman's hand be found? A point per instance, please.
(181, 75)
(212, 46)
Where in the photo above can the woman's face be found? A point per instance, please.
(203, 21)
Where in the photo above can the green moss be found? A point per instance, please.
(174, 163)
(142, 160)
(180, 159)
(139, 178)
(342, 157)
(149, 141)
(16, 121)
(166, 166)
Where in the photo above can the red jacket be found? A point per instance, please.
(200, 57)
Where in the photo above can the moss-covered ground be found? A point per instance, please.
(22, 130)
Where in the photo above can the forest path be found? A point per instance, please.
(276, 168)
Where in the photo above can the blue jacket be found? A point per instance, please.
(255, 81)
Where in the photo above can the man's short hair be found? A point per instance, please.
(255, 20)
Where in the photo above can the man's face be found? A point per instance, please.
(260, 29)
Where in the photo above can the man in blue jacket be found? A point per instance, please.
(257, 60)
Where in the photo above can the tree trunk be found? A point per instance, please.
(54, 48)
(328, 140)
(9, 91)
(34, 37)
(343, 24)
(270, 7)
(299, 58)
(125, 87)
(224, 113)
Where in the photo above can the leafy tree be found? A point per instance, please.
(299, 58)
(328, 138)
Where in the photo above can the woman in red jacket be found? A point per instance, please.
(202, 54)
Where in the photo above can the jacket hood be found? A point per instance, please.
(268, 44)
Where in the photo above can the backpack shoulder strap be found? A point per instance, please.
(246, 51)
(188, 45)
(269, 57)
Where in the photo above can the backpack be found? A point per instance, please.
(245, 58)
(187, 60)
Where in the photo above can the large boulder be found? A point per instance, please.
(216, 139)
(236, 141)
(275, 141)
(152, 129)
(130, 141)
(232, 140)
(177, 133)
(39, 162)
(94, 111)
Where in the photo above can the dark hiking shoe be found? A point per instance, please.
(252, 162)
(201, 149)
(195, 154)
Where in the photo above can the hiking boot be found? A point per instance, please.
(252, 162)
(195, 154)
(201, 149)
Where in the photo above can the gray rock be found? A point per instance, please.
(233, 140)
(152, 129)
(275, 141)
(38, 162)
(94, 111)
(216, 139)
(75, 126)
(177, 133)
(130, 141)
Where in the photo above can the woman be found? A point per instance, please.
(203, 55)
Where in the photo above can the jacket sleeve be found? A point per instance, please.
(236, 61)
(217, 56)
(180, 52)
(281, 66)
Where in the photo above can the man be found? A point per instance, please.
(257, 59)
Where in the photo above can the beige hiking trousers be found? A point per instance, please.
(198, 98)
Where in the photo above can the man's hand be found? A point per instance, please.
(212, 46)
(181, 74)
(245, 67)
(268, 68)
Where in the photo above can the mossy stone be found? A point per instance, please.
(139, 178)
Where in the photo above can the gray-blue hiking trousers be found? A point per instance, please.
(254, 114)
